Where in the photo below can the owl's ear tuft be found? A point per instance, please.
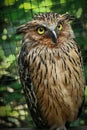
(68, 17)
(22, 29)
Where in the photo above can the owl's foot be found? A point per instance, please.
(61, 128)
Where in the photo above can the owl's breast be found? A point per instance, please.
(58, 83)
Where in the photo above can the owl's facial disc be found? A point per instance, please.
(52, 32)
(49, 30)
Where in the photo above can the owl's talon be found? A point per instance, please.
(62, 128)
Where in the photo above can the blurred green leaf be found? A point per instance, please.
(15, 96)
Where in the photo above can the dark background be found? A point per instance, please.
(13, 108)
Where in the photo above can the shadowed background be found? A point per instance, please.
(13, 13)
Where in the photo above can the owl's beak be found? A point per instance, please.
(54, 36)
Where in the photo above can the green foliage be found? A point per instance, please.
(5, 62)
(13, 13)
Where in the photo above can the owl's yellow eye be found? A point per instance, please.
(60, 27)
(41, 30)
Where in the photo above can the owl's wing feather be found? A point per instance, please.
(81, 61)
(28, 90)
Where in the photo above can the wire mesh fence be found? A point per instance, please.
(13, 108)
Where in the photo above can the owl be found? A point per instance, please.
(51, 70)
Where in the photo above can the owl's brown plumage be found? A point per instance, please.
(51, 71)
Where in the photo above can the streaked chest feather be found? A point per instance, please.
(54, 66)
(57, 78)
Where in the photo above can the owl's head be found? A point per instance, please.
(48, 28)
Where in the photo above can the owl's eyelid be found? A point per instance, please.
(40, 26)
(60, 22)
